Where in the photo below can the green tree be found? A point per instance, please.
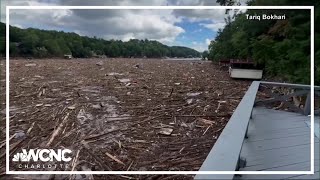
(44, 43)
(205, 55)
(281, 46)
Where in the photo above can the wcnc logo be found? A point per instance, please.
(43, 155)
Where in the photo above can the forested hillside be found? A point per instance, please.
(281, 46)
(42, 43)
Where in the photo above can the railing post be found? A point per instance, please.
(246, 135)
(307, 106)
(225, 154)
(242, 162)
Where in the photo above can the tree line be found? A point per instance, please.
(282, 47)
(38, 43)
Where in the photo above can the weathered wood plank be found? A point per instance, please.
(276, 144)
(280, 163)
(296, 153)
(266, 163)
(225, 153)
(284, 114)
(250, 155)
(273, 127)
(314, 176)
(279, 135)
(303, 166)
(268, 123)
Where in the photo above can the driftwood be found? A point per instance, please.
(130, 166)
(11, 149)
(31, 127)
(99, 160)
(74, 164)
(56, 132)
(3, 143)
(209, 115)
(114, 158)
(125, 121)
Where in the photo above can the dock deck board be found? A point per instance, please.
(279, 141)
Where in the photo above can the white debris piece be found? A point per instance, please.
(125, 80)
(100, 63)
(193, 94)
(189, 101)
(166, 131)
(30, 65)
(71, 107)
(114, 74)
(96, 106)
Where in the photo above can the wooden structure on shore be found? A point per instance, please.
(242, 69)
(224, 63)
(67, 56)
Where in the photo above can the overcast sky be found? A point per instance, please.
(191, 28)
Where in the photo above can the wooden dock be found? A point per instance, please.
(260, 138)
(279, 141)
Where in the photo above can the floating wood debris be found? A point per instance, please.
(166, 131)
(118, 116)
(114, 158)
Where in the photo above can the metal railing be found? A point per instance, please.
(289, 97)
(224, 156)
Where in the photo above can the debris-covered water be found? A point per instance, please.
(119, 114)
